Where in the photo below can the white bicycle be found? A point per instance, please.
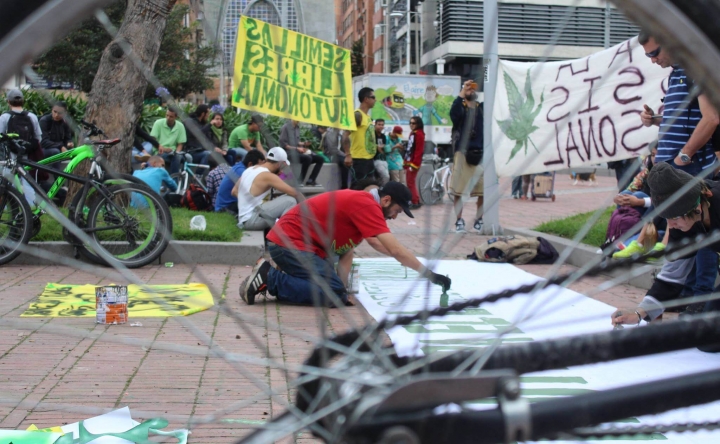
(436, 183)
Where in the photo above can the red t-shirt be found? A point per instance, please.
(336, 221)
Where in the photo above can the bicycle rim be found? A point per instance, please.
(642, 14)
(129, 224)
(15, 222)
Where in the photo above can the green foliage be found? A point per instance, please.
(570, 226)
(520, 124)
(40, 103)
(221, 227)
(358, 58)
(76, 57)
(182, 66)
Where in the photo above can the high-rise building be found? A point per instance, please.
(527, 30)
(355, 20)
(221, 17)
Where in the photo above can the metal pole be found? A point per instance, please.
(491, 206)
(407, 40)
(386, 39)
(607, 25)
(418, 42)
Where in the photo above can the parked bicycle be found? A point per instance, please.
(129, 221)
(187, 175)
(433, 185)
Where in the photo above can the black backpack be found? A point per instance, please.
(196, 199)
(22, 125)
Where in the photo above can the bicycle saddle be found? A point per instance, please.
(109, 142)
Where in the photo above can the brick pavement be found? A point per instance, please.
(50, 376)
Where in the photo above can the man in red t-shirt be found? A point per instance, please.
(304, 240)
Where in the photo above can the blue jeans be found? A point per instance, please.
(517, 186)
(641, 195)
(295, 282)
(701, 279)
(172, 159)
(239, 153)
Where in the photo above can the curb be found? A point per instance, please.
(581, 255)
(246, 252)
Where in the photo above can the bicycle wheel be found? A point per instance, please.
(429, 192)
(181, 181)
(447, 182)
(16, 222)
(80, 214)
(130, 224)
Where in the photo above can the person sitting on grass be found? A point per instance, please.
(225, 200)
(155, 175)
(218, 170)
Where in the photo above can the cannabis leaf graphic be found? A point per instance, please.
(520, 124)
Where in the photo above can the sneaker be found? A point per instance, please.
(256, 283)
(629, 251)
(658, 247)
(415, 206)
(460, 226)
(311, 183)
(478, 224)
(693, 309)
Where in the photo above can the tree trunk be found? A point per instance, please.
(115, 101)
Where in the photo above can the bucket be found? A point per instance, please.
(111, 304)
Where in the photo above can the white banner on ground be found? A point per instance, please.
(553, 312)
(555, 115)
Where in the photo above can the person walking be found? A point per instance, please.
(413, 158)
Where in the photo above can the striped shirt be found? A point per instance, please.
(678, 123)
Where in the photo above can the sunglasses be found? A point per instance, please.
(655, 53)
(371, 97)
(412, 123)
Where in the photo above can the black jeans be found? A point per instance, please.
(362, 168)
(339, 160)
(305, 160)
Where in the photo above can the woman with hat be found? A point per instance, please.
(691, 207)
(393, 156)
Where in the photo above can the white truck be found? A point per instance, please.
(399, 97)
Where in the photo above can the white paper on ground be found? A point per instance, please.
(117, 421)
(550, 313)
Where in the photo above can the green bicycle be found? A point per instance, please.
(126, 219)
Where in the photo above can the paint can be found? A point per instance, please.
(111, 304)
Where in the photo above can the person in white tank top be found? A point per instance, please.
(255, 184)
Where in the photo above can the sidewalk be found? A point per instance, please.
(50, 378)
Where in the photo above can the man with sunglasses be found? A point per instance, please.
(687, 122)
(686, 126)
(360, 146)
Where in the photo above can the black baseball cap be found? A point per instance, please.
(399, 193)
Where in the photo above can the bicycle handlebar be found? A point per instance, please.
(92, 129)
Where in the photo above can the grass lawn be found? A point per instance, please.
(221, 227)
(570, 226)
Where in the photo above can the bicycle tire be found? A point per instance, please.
(138, 202)
(112, 179)
(428, 195)
(447, 182)
(182, 186)
(19, 222)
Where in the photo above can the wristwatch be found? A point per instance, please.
(684, 158)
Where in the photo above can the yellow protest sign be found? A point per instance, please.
(288, 74)
(61, 300)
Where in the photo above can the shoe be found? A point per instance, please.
(415, 206)
(460, 226)
(311, 183)
(693, 309)
(478, 224)
(657, 247)
(629, 251)
(516, 196)
(144, 158)
(256, 283)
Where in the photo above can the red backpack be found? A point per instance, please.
(196, 199)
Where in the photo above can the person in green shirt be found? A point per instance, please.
(246, 137)
(171, 137)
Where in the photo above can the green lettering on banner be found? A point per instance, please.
(282, 93)
(332, 115)
(305, 105)
(268, 95)
(266, 36)
(293, 101)
(281, 48)
(315, 52)
(318, 106)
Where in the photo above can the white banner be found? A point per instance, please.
(555, 115)
(551, 313)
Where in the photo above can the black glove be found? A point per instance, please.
(440, 280)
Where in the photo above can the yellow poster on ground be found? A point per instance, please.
(60, 300)
(288, 74)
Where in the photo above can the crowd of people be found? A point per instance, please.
(675, 184)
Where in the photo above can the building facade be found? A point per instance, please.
(527, 30)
